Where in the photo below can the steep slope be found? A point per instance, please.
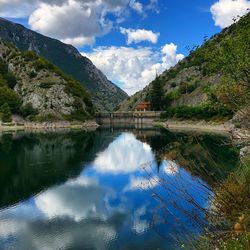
(105, 94)
(194, 80)
(34, 88)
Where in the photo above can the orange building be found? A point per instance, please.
(143, 106)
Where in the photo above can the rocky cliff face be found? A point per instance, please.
(106, 95)
(43, 87)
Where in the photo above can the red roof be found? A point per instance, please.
(143, 105)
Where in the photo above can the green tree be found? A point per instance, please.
(11, 80)
(3, 67)
(5, 113)
(9, 96)
(157, 95)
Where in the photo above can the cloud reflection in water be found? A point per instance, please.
(124, 155)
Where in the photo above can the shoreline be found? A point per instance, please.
(33, 126)
(199, 126)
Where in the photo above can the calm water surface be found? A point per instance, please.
(107, 190)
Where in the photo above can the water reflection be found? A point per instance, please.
(123, 156)
(96, 191)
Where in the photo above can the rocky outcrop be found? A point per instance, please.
(106, 95)
(43, 86)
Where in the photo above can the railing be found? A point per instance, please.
(135, 117)
(144, 114)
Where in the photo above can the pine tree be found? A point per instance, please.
(156, 95)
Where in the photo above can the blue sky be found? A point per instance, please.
(183, 22)
(129, 40)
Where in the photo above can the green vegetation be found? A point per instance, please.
(228, 54)
(46, 118)
(46, 85)
(232, 58)
(9, 101)
(231, 204)
(6, 77)
(156, 96)
(198, 112)
(28, 111)
(5, 113)
(9, 97)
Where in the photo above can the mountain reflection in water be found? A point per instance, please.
(103, 190)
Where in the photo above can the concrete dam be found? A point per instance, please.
(136, 119)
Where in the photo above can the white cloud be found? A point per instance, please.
(74, 22)
(137, 6)
(77, 22)
(79, 41)
(170, 56)
(140, 225)
(134, 68)
(140, 35)
(143, 8)
(66, 233)
(170, 167)
(153, 6)
(125, 155)
(224, 11)
(141, 183)
(22, 8)
(88, 204)
(10, 227)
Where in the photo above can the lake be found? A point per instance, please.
(108, 189)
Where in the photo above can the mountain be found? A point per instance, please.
(106, 95)
(32, 87)
(214, 77)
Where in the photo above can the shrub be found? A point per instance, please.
(9, 97)
(28, 110)
(30, 55)
(33, 74)
(3, 68)
(198, 112)
(5, 113)
(46, 85)
(2, 82)
(79, 115)
(187, 88)
(48, 118)
(6, 77)
(173, 85)
(78, 91)
(10, 80)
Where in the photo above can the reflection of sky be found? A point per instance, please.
(123, 156)
(111, 204)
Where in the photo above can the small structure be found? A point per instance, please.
(143, 106)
